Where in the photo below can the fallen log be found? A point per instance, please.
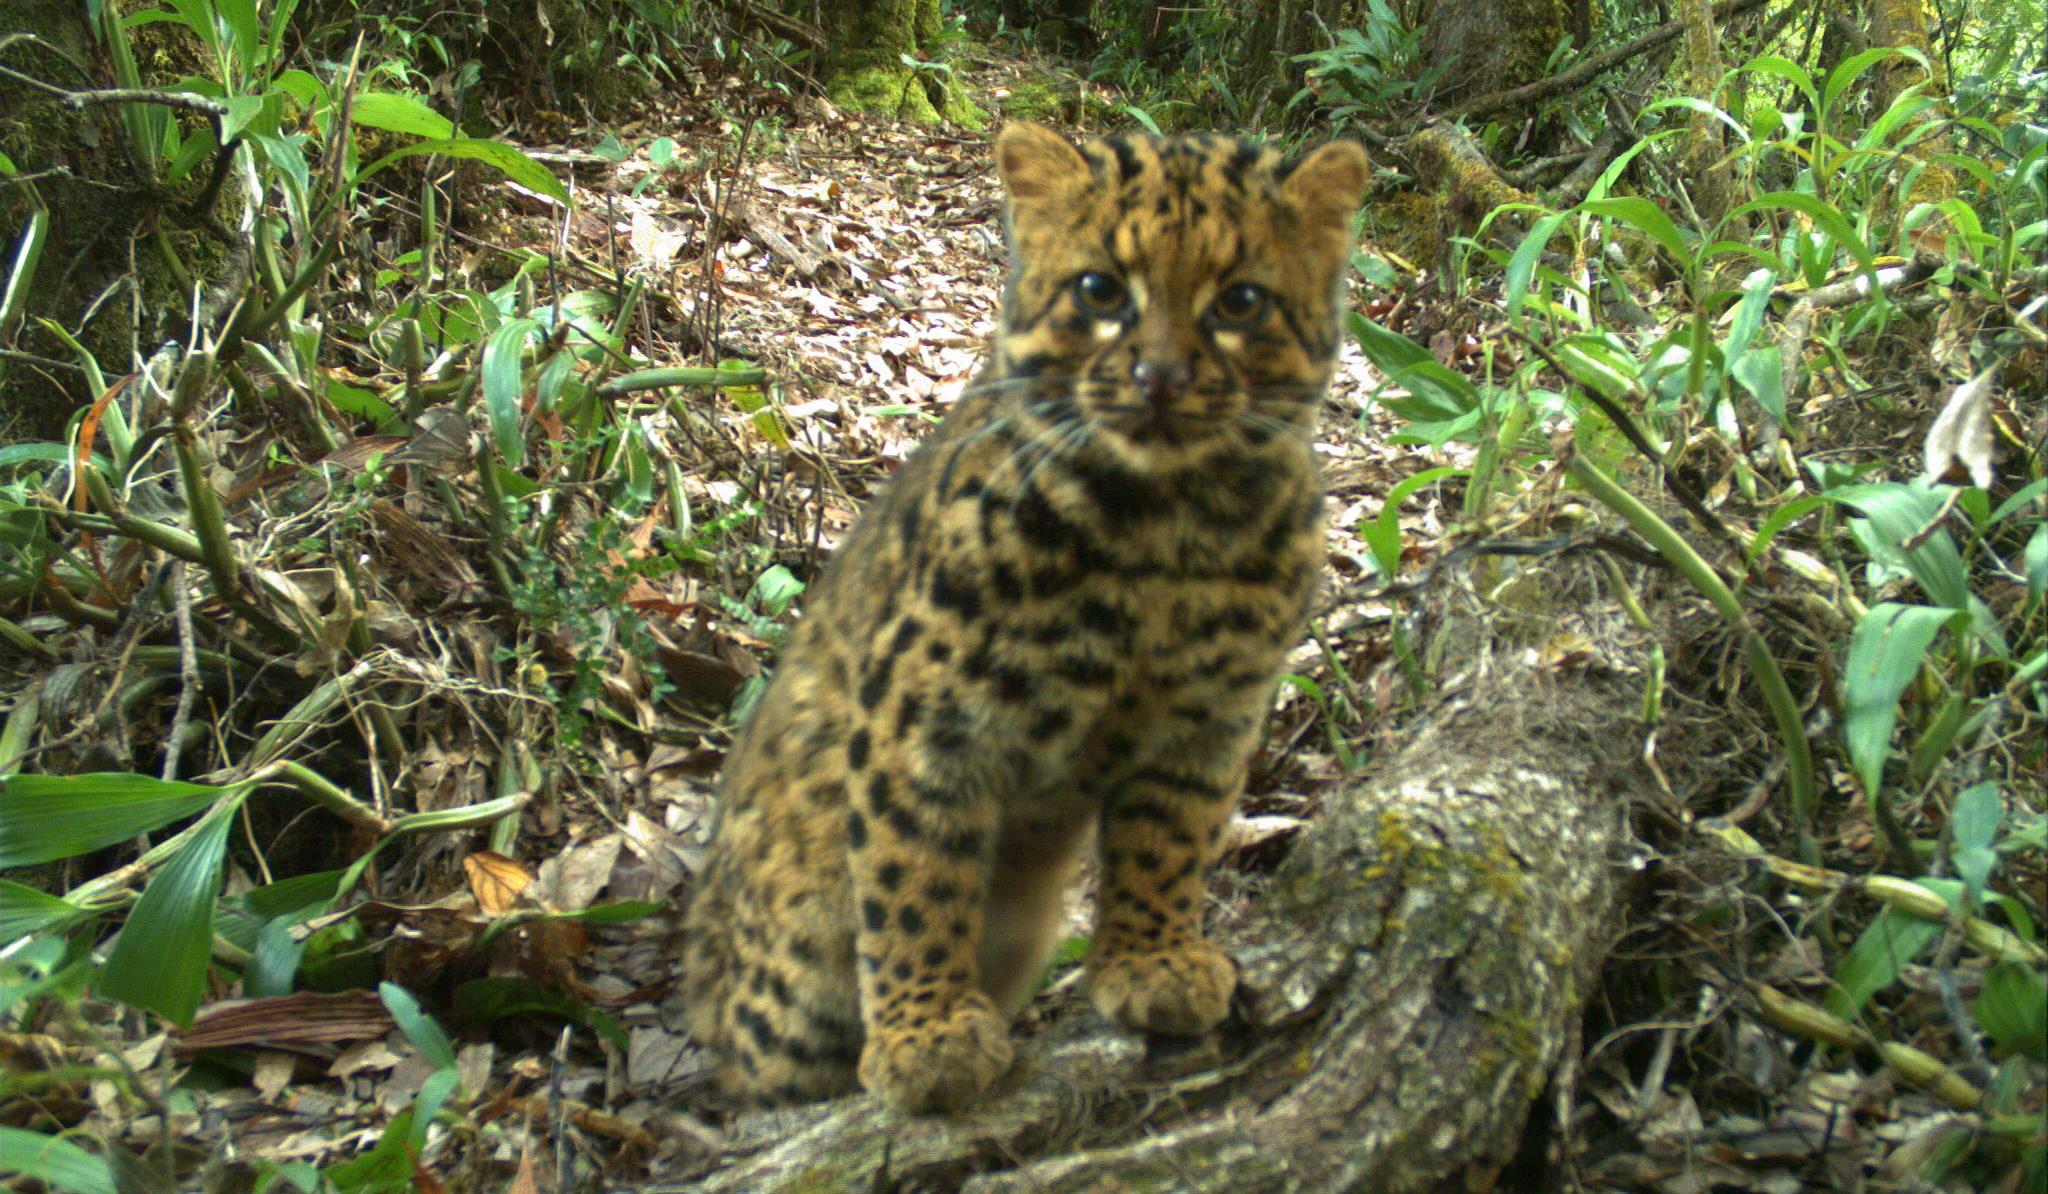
(1409, 979)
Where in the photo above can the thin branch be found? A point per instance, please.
(118, 95)
(1555, 84)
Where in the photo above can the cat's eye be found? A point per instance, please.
(1241, 303)
(1099, 293)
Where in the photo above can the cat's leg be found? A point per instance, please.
(1149, 968)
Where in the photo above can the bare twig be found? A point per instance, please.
(1557, 84)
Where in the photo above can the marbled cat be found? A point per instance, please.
(1060, 623)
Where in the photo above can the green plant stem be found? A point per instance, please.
(330, 796)
(1770, 678)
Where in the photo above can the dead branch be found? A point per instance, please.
(1556, 84)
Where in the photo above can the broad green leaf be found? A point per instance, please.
(54, 1161)
(398, 113)
(1884, 656)
(160, 959)
(47, 817)
(2012, 1008)
(1383, 535)
(1760, 371)
(434, 1094)
(1840, 78)
(1779, 519)
(1647, 218)
(1890, 943)
(507, 160)
(1973, 834)
(24, 910)
(2035, 561)
(1523, 264)
(504, 386)
(418, 1027)
(1786, 69)
(240, 18)
(1749, 312)
(1895, 515)
(1827, 218)
(242, 112)
(301, 86)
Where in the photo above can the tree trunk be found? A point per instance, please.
(1713, 189)
(1493, 45)
(83, 175)
(1409, 979)
(865, 66)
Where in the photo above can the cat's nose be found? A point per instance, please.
(1162, 382)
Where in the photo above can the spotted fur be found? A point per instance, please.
(1063, 619)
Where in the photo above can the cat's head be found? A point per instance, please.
(1181, 292)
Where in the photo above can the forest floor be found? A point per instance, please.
(859, 261)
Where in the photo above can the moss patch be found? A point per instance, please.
(898, 91)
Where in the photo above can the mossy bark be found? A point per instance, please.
(100, 278)
(1408, 981)
(865, 69)
(1712, 189)
(1494, 45)
(1903, 23)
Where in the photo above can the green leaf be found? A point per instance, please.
(1827, 218)
(2012, 1008)
(1647, 218)
(2035, 561)
(25, 910)
(774, 590)
(1973, 834)
(160, 959)
(1884, 656)
(418, 1027)
(504, 385)
(398, 113)
(488, 1000)
(1840, 78)
(1760, 372)
(1895, 515)
(1786, 69)
(1890, 943)
(47, 817)
(1522, 266)
(54, 1161)
(506, 159)
(1749, 312)
(1383, 536)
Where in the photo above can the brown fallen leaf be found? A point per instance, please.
(306, 1022)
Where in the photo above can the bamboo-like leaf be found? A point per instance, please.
(55, 1162)
(1647, 218)
(1888, 945)
(2013, 1009)
(1522, 266)
(160, 959)
(396, 112)
(506, 159)
(418, 1027)
(1884, 656)
(1973, 835)
(504, 383)
(25, 910)
(47, 817)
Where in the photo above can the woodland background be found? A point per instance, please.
(418, 424)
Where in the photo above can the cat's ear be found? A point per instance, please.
(1036, 162)
(1329, 184)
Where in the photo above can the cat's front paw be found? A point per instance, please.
(939, 1063)
(1178, 992)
